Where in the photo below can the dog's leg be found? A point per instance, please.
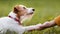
(48, 24)
(41, 26)
(21, 29)
(33, 27)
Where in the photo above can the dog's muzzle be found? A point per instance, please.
(30, 11)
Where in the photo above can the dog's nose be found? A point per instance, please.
(33, 9)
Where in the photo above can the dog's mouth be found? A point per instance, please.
(30, 13)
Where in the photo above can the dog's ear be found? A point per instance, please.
(16, 9)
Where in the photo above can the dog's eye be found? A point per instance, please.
(24, 8)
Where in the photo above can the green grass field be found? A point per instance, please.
(46, 10)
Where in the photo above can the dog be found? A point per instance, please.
(15, 18)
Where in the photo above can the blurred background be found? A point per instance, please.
(46, 10)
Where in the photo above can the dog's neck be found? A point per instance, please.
(12, 14)
(15, 17)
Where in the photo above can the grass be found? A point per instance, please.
(46, 10)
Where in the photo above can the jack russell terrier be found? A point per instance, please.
(13, 21)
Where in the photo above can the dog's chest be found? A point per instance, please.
(11, 24)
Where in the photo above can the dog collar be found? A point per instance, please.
(15, 20)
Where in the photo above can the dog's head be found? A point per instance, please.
(22, 12)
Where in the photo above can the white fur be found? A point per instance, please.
(7, 23)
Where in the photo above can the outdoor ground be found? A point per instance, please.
(46, 10)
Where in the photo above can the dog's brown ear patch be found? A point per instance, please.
(16, 9)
